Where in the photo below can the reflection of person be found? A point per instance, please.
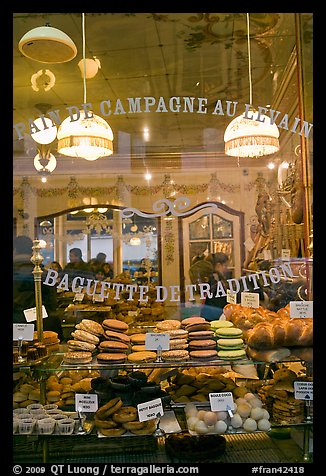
(56, 266)
(213, 307)
(77, 266)
(24, 287)
(100, 258)
(201, 269)
(107, 270)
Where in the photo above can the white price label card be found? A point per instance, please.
(249, 244)
(221, 402)
(30, 314)
(231, 297)
(285, 254)
(303, 390)
(267, 254)
(98, 298)
(79, 297)
(150, 410)
(301, 309)
(157, 341)
(23, 332)
(249, 299)
(86, 403)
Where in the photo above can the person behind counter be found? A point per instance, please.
(24, 288)
(77, 266)
(212, 308)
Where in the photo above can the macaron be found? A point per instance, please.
(138, 339)
(197, 335)
(232, 354)
(115, 325)
(202, 344)
(111, 358)
(113, 346)
(203, 354)
(192, 320)
(228, 332)
(119, 336)
(230, 344)
(175, 355)
(218, 324)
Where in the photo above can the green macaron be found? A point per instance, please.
(218, 324)
(232, 344)
(231, 354)
(228, 333)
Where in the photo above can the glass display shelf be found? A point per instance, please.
(54, 363)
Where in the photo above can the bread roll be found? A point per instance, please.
(281, 333)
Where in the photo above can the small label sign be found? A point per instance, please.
(86, 403)
(79, 297)
(250, 299)
(285, 254)
(221, 402)
(301, 309)
(150, 410)
(231, 297)
(30, 314)
(157, 341)
(249, 244)
(267, 255)
(23, 331)
(303, 391)
(98, 298)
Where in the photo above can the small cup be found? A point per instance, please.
(26, 427)
(40, 416)
(46, 426)
(37, 411)
(66, 426)
(50, 406)
(34, 406)
(25, 416)
(54, 411)
(19, 411)
(15, 425)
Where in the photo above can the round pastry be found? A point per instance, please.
(112, 431)
(133, 425)
(53, 396)
(146, 356)
(26, 388)
(138, 339)
(125, 414)
(77, 357)
(228, 333)
(203, 354)
(175, 355)
(232, 354)
(105, 423)
(193, 320)
(115, 325)
(119, 336)
(168, 324)
(91, 326)
(202, 344)
(19, 397)
(74, 345)
(113, 346)
(175, 333)
(218, 324)
(148, 428)
(178, 344)
(138, 348)
(111, 358)
(109, 408)
(49, 337)
(232, 344)
(201, 335)
(204, 326)
(85, 336)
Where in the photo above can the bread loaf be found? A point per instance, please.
(280, 332)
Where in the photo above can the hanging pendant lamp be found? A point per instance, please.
(88, 136)
(246, 136)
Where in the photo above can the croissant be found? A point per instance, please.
(281, 332)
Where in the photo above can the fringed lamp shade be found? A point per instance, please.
(246, 137)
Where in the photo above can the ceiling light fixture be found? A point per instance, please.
(46, 44)
(87, 136)
(251, 135)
